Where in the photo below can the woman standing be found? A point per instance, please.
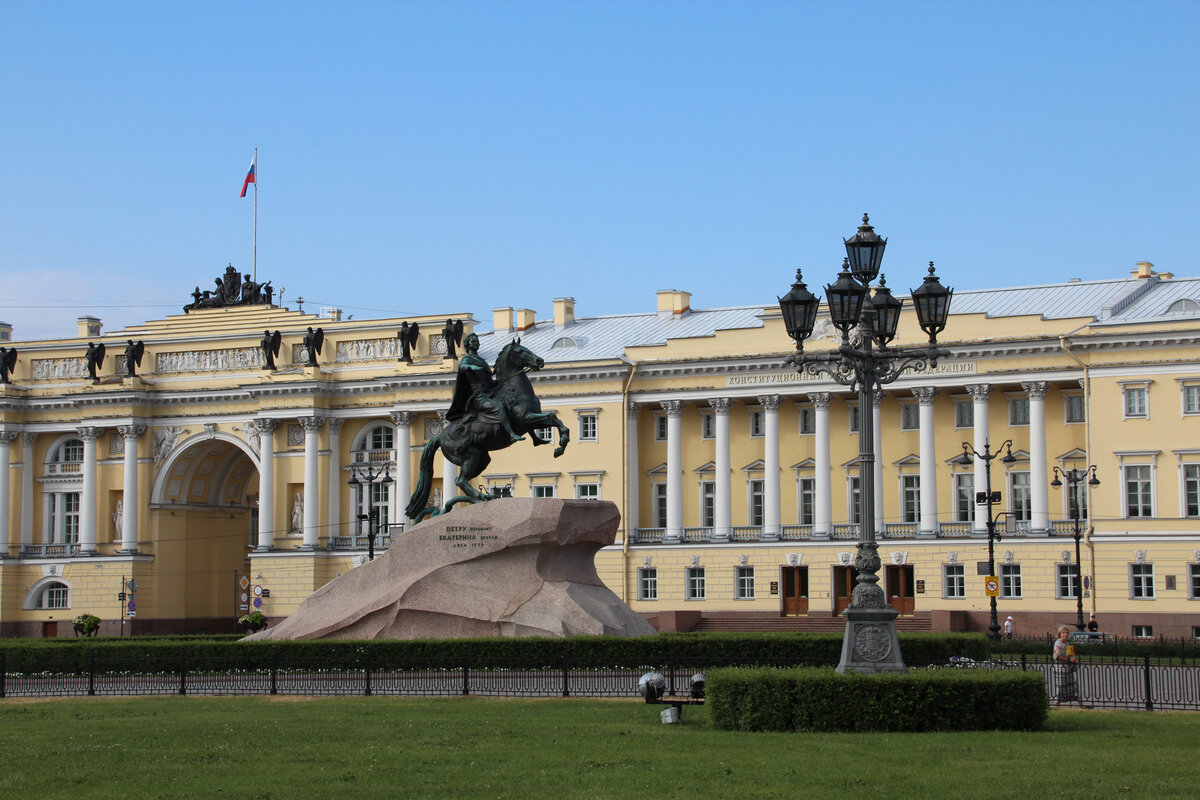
(1067, 664)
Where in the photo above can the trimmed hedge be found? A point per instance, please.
(820, 699)
(662, 651)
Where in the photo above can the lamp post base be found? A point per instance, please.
(870, 644)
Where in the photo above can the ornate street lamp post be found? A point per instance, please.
(865, 363)
(364, 477)
(1074, 478)
(990, 498)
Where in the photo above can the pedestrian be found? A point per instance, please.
(1092, 625)
(1066, 669)
(1008, 628)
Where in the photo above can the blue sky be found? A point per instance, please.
(438, 157)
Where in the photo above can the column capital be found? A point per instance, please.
(266, 425)
(821, 399)
(7, 437)
(721, 404)
(925, 394)
(403, 419)
(632, 409)
(89, 433)
(877, 398)
(311, 424)
(674, 408)
(978, 391)
(131, 431)
(335, 424)
(28, 438)
(1035, 389)
(770, 401)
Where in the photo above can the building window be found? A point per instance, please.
(808, 421)
(757, 424)
(1021, 496)
(708, 425)
(587, 427)
(964, 414)
(695, 583)
(1010, 580)
(1074, 409)
(648, 584)
(1141, 581)
(380, 494)
(808, 500)
(587, 491)
(910, 417)
(1066, 581)
(964, 497)
(660, 505)
(543, 490)
(1018, 411)
(66, 506)
(708, 504)
(756, 503)
(854, 496)
(1191, 399)
(954, 580)
(1077, 501)
(54, 595)
(660, 427)
(1194, 581)
(1191, 490)
(545, 434)
(910, 498)
(854, 418)
(743, 583)
(1135, 402)
(381, 438)
(1139, 499)
(1143, 631)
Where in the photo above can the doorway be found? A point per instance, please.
(900, 588)
(795, 591)
(843, 587)
(49, 630)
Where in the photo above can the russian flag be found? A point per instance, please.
(250, 176)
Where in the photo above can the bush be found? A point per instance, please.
(820, 699)
(86, 625)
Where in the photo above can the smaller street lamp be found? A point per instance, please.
(1074, 477)
(989, 498)
(363, 477)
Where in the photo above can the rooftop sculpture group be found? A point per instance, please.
(232, 289)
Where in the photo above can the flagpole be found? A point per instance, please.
(255, 278)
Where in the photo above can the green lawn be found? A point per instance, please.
(368, 747)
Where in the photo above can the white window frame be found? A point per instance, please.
(1189, 489)
(959, 480)
(1010, 581)
(1141, 581)
(954, 581)
(1066, 581)
(743, 583)
(647, 583)
(910, 498)
(758, 423)
(910, 415)
(660, 427)
(658, 504)
(694, 588)
(756, 489)
(1018, 412)
(964, 414)
(1189, 397)
(806, 420)
(1020, 495)
(708, 502)
(1125, 487)
(1135, 401)
(708, 425)
(588, 424)
(1193, 580)
(852, 416)
(853, 488)
(1072, 398)
(806, 497)
(39, 594)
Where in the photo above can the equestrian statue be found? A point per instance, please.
(491, 410)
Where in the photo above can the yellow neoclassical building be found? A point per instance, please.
(238, 466)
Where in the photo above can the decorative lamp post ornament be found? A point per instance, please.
(363, 478)
(1074, 478)
(865, 365)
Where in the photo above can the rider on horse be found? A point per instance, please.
(474, 391)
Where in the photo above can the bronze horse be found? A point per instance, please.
(467, 441)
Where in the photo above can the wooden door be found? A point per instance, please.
(795, 591)
(49, 630)
(900, 588)
(843, 587)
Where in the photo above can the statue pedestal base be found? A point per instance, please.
(870, 644)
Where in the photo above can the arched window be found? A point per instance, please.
(1183, 306)
(52, 594)
(61, 490)
(380, 438)
(68, 452)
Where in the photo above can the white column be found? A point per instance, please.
(87, 501)
(311, 524)
(333, 506)
(6, 440)
(877, 425)
(674, 409)
(632, 514)
(722, 508)
(129, 497)
(27, 440)
(402, 488)
(979, 412)
(449, 472)
(266, 483)
(770, 404)
(929, 461)
(1039, 500)
(823, 500)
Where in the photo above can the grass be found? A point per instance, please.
(367, 747)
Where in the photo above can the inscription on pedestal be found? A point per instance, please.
(468, 535)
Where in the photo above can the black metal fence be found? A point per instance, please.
(1142, 684)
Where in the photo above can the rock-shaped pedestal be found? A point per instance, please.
(509, 567)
